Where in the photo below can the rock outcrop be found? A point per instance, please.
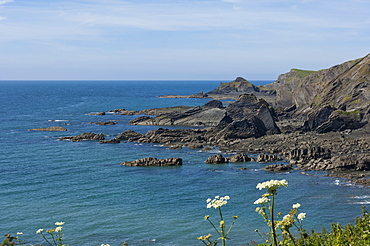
(278, 167)
(238, 86)
(130, 134)
(84, 136)
(110, 141)
(151, 161)
(240, 157)
(217, 159)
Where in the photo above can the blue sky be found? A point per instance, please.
(178, 39)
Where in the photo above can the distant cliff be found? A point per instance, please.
(238, 86)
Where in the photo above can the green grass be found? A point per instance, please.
(303, 73)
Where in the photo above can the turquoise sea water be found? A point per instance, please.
(44, 180)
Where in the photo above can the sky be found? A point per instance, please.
(177, 39)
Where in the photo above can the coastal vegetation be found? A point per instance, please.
(283, 230)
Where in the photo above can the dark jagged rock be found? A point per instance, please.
(129, 134)
(104, 123)
(239, 85)
(268, 158)
(50, 129)
(217, 159)
(84, 136)
(151, 161)
(110, 141)
(316, 118)
(278, 168)
(214, 104)
(240, 157)
(247, 128)
(265, 115)
(340, 121)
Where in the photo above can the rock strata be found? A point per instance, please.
(151, 161)
(268, 158)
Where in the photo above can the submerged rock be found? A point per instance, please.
(50, 129)
(151, 161)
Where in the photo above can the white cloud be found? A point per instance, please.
(5, 1)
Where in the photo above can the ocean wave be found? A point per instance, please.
(362, 202)
(361, 197)
(58, 120)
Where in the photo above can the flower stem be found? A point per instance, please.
(223, 236)
(273, 220)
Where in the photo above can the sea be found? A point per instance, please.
(44, 180)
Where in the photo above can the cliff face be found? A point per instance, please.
(332, 99)
(348, 91)
(301, 87)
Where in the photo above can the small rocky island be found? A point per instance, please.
(315, 120)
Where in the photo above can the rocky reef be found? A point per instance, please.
(151, 161)
(314, 120)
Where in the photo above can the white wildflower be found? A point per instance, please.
(217, 202)
(39, 231)
(261, 200)
(272, 184)
(58, 229)
(301, 216)
(297, 205)
(59, 223)
(19, 233)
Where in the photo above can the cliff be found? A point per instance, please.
(345, 86)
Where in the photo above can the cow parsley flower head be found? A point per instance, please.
(217, 202)
(272, 185)
(297, 205)
(58, 229)
(301, 216)
(262, 200)
(39, 231)
(59, 223)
